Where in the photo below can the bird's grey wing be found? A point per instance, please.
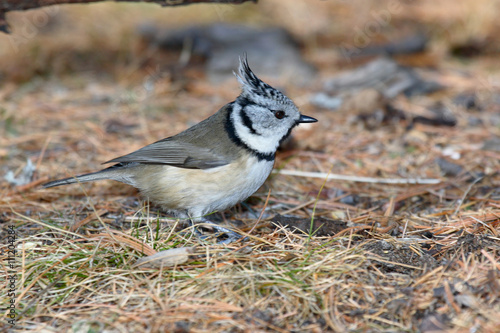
(171, 152)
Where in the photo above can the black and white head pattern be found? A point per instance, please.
(262, 116)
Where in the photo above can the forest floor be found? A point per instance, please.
(384, 216)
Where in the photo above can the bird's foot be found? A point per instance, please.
(223, 235)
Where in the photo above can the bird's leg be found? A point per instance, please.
(224, 235)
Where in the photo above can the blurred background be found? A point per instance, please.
(85, 83)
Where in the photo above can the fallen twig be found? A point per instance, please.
(324, 175)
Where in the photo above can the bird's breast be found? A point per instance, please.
(204, 191)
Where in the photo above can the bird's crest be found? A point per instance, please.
(251, 85)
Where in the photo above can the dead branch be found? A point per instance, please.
(10, 5)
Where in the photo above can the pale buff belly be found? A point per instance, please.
(199, 192)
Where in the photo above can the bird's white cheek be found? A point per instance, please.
(266, 144)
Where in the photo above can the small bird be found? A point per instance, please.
(216, 163)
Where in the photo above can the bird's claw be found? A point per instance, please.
(223, 235)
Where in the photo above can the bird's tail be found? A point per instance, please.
(109, 173)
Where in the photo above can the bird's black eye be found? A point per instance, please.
(279, 114)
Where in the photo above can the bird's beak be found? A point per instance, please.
(306, 119)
